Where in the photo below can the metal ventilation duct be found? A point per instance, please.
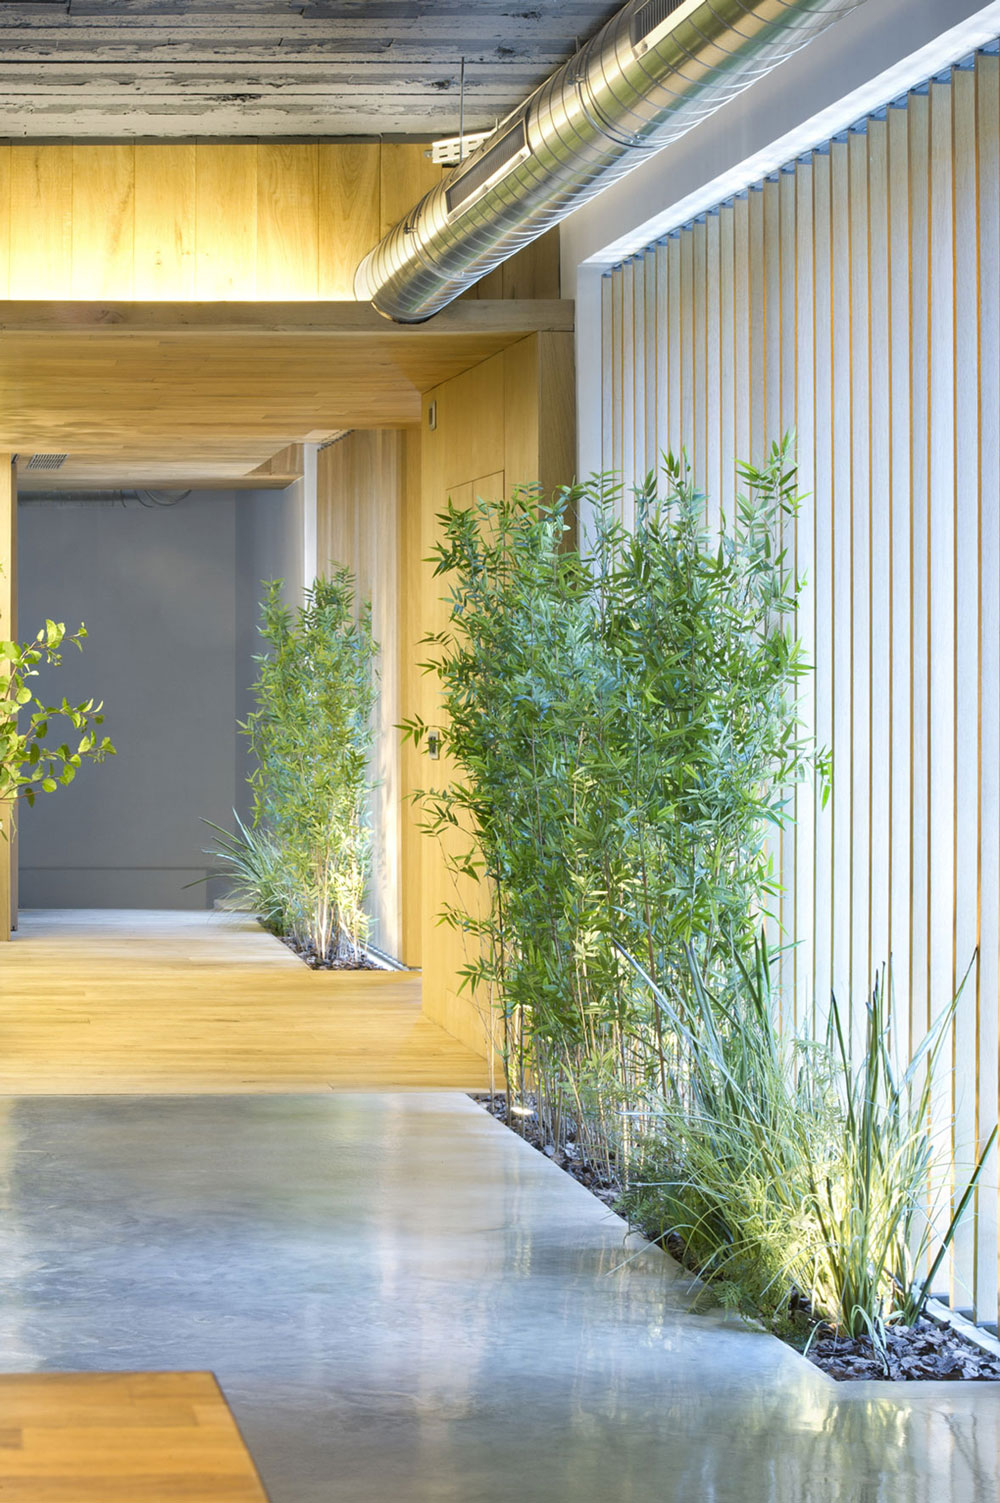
(655, 70)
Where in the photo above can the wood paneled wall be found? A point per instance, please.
(214, 221)
(507, 421)
(359, 501)
(854, 298)
(8, 631)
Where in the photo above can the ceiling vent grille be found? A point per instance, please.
(47, 461)
(473, 180)
(649, 19)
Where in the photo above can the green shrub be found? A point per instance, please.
(29, 763)
(624, 729)
(307, 859)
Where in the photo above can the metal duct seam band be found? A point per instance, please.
(652, 73)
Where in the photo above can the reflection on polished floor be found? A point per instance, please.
(403, 1301)
(133, 1001)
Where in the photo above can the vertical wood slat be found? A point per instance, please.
(41, 217)
(674, 341)
(767, 251)
(757, 323)
(617, 381)
(608, 406)
(727, 355)
(782, 399)
(988, 978)
(899, 704)
(683, 315)
(347, 201)
(857, 397)
(803, 913)
(637, 365)
(742, 368)
(699, 335)
(919, 437)
(650, 369)
(851, 297)
(165, 264)
(628, 390)
(841, 634)
(826, 643)
(103, 208)
(941, 582)
(713, 373)
(878, 482)
(287, 219)
(225, 241)
(662, 344)
(965, 719)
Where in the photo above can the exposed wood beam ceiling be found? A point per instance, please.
(126, 68)
(177, 394)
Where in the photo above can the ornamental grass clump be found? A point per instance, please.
(802, 1181)
(304, 863)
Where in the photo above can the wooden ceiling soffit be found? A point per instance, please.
(166, 394)
(509, 318)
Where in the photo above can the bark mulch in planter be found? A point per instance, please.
(607, 1190)
(331, 961)
(925, 1352)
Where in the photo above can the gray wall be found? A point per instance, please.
(169, 598)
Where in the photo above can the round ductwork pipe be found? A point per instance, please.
(657, 69)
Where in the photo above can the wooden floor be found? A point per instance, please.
(130, 1002)
(121, 1438)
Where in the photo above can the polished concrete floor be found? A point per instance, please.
(405, 1304)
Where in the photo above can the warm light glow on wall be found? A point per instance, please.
(184, 221)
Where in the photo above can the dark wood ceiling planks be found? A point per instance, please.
(190, 68)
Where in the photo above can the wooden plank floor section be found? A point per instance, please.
(130, 1002)
(121, 1438)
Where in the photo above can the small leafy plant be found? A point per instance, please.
(30, 763)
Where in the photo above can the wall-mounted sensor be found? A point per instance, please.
(434, 745)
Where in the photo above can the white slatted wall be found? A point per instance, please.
(854, 297)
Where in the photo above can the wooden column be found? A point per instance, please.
(8, 629)
(505, 422)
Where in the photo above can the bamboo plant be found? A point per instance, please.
(304, 863)
(623, 723)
